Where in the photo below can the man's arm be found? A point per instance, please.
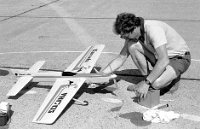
(117, 62)
(160, 65)
(158, 69)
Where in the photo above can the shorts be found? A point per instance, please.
(180, 63)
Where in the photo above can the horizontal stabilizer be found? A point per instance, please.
(36, 67)
(59, 96)
(19, 85)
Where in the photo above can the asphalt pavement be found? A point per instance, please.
(57, 31)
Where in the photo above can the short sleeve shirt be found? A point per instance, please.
(158, 33)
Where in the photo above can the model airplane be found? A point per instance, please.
(66, 85)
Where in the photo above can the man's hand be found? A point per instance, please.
(142, 89)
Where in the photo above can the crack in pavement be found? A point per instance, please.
(17, 15)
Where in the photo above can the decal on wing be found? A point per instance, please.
(86, 61)
(57, 99)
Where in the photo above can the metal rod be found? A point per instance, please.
(81, 102)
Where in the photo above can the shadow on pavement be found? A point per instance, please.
(9, 119)
(135, 118)
(102, 89)
(3, 72)
(130, 75)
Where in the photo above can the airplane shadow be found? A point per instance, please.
(101, 89)
(130, 75)
(135, 118)
(3, 72)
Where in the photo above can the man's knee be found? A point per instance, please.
(166, 78)
(159, 83)
(134, 47)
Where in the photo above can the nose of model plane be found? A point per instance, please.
(113, 76)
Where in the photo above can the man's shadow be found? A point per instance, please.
(130, 75)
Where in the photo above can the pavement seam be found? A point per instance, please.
(27, 11)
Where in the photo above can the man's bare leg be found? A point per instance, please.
(137, 51)
(165, 79)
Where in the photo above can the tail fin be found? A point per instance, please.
(36, 67)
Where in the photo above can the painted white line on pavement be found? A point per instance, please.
(83, 36)
(26, 52)
(190, 117)
(195, 60)
(114, 53)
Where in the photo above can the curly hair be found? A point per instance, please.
(125, 23)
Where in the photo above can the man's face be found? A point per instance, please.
(134, 35)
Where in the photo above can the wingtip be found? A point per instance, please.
(10, 95)
(7, 95)
(40, 122)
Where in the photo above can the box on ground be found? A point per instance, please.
(152, 99)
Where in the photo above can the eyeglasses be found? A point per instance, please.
(124, 35)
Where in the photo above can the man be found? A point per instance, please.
(152, 41)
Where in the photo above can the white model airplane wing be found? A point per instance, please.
(19, 85)
(86, 61)
(61, 93)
